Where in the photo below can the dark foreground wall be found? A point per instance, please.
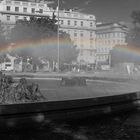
(32, 114)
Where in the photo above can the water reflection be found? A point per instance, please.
(109, 127)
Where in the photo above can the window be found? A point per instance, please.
(25, 9)
(91, 17)
(25, 3)
(91, 24)
(62, 22)
(41, 5)
(24, 18)
(81, 53)
(81, 23)
(90, 34)
(40, 10)
(122, 35)
(75, 23)
(33, 4)
(108, 35)
(68, 22)
(113, 34)
(17, 2)
(33, 10)
(81, 34)
(16, 9)
(8, 8)
(16, 18)
(75, 34)
(8, 18)
(7, 65)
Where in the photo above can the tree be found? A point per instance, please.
(133, 37)
(34, 28)
(136, 17)
(2, 37)
(129, 53)
(124, 54)
(42, 32)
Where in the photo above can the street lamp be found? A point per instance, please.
(58, 43)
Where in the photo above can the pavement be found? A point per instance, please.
(97, 74)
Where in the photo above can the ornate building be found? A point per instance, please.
(94, 41)
(107, 36)
(81, 27)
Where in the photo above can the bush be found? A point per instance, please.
(19, 92)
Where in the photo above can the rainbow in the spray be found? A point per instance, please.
(36, 44)
(52, 42)
(131, 53)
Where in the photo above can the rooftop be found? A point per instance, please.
(111, 24)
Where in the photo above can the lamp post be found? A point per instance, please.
(58, 43)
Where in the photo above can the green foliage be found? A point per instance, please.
(120, 56)
(35, 28)
(18, 92)
(38, 29)
(2, 37)
(133, 37)
(136, 17)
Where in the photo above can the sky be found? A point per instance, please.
(104, 10)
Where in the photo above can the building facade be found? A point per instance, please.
(108, 36)
(93, 40)
(11, 11)
(81, 27)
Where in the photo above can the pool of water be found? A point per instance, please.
(106, 127)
